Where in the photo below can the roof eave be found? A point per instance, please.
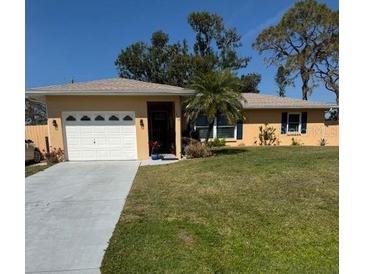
(291, 107)
(42, 92)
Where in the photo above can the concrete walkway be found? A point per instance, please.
(70, 213)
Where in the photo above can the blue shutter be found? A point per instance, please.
(304, 122)
(284, 122)
(239, 129)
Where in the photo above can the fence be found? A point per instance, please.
(39, 135)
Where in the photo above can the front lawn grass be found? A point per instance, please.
(250, 210)
(33, 169)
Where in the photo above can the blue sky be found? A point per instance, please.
(80, 39)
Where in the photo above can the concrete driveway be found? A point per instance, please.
(70, 213)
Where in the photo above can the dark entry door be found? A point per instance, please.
(160, 128)
(161, 125)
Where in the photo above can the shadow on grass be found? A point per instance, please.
(229, 151)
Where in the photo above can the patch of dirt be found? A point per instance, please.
(186, 238)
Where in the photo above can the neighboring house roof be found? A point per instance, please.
(115, 86)
(260, 101)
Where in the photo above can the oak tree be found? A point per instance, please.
(214, 49)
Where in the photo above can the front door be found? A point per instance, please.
(161, 126)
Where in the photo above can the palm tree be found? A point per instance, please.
(217, 93)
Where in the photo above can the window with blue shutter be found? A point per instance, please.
(304, 123)
(221, 129)
(284, 122)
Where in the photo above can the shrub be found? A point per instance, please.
(295, 142)
(267, 135)
(197, 150)
(54, 156)
(322, 142)
(217, 143)
(185, 141)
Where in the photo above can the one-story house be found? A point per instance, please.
(117, 119)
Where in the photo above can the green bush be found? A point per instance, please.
(217, 143)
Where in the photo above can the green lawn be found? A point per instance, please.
(251, 210)
(32, 169)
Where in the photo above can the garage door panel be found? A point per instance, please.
(102, 154)
(113, 129)
(85, 129)
(100, 140)
(99, 129)
(73, 142)
(88, 154)
(113, 141)
(73, 130)
(115, 153)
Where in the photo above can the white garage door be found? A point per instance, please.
(100, 135)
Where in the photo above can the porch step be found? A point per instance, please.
(168, 157)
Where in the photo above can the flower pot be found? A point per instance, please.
(155, 156)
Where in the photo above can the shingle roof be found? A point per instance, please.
(114, 86)
(122, 86)
(259, 101)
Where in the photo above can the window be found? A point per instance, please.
(128, 118)
(221, 129)
(201, 125)
(224, 128)
(70, 118)
(85, 118)
(294, 122)
(113, 118)
(99, 118)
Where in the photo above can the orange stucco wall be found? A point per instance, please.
(316, 128)
(57, 104)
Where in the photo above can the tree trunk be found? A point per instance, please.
(305, 80)
(337, 97)
(210, 128)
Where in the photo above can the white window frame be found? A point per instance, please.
(300, 123)
(215, 132)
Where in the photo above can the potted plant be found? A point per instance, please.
(155, 146)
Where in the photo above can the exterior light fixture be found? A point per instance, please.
(54, 123)
(141, 123)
